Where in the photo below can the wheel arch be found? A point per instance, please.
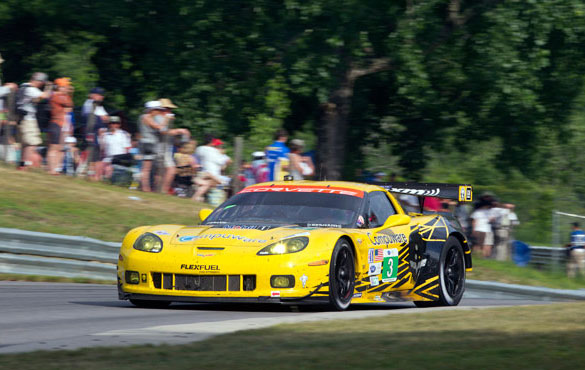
(466, 249)
(352, 245)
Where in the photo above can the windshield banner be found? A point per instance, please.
(304, 189)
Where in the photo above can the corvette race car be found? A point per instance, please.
(303, 242)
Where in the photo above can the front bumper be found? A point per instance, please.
(221, 279)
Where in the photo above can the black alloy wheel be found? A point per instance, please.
(149, 304)
(341, 275)
(451, 275)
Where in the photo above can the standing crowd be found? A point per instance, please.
(41, 128)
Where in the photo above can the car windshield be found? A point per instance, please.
(303, 209)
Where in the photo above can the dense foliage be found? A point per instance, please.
(414, 87)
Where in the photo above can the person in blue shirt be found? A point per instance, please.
(576, 251)
(277, 156)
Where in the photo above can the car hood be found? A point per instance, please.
(238, 235)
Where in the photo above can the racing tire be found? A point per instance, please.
(451, 275)
(149, 304)
(341, 275)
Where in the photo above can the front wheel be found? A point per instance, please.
(341, 275)
(451, 275)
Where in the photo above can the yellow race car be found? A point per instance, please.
(303, 242)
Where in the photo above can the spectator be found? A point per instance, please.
(576, 252)
(300, 166)
(150, 133)
(259, 167)
(432, 204)
(165, 119)
(277, 156)
(187, 167)
(116, 145)
(504, 220)
(96, 120)
(481, 225)
(26, 105)
(61, 104)
(70, 156)
(7, 126)
(212, 161)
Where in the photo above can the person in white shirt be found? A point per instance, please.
(212, 161)
(482, 228)
(115, 142)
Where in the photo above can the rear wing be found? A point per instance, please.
(459, 192)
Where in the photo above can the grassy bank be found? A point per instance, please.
(39, 202)
(538, 337)
(508, 272)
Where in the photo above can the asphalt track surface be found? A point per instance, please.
(50, 316)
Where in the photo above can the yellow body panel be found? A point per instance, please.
(217, 251)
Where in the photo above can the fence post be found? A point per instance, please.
(238, 150)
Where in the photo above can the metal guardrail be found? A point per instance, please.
(35, 253)
(547, 257)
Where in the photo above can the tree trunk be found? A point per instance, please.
(335, 121)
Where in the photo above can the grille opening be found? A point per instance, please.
(234, 283)
(249, 282)
(156, 279)
(205, 283)
(168, 281)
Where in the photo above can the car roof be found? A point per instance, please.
(341, 184)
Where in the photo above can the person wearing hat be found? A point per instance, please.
(27, 106)
(70, 156)
(259, 167)
(212, 161)
(165, 119)
(61, 104)
(300, 166)
(116, 144)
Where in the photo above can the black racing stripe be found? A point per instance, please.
(380, 288)
(400, 283)
(426, 296)
(402, 273)
(362, 288)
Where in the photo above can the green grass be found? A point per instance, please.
(537, 337)
(38, 202)
(508, 272)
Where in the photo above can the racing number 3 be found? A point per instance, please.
(390, 265)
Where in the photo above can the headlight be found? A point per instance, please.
(291, 245)
(148, 243)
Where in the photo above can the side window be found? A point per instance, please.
(380, 209)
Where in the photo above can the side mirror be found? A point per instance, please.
(204, 213)
(397, 220)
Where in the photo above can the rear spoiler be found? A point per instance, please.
(459, 192)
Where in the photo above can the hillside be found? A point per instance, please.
(39, 202)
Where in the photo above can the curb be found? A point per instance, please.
(532, 291)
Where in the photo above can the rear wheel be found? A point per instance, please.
(149, 304)
(341, 275)
(451, 275)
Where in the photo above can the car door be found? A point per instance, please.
(387, 246)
